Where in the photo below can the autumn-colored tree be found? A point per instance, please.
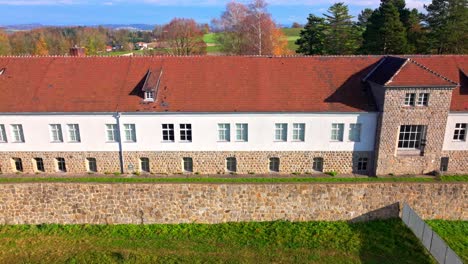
(280, 43)
(183, 37)
(41, 47)
(5, 48)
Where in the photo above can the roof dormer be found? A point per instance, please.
(151, 85)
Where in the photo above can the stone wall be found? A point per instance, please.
(210, 162)
(391, 160)
(72, 203)
(458, 161)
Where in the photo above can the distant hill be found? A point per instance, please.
(132, 27)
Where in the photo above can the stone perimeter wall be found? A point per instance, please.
(80, 203)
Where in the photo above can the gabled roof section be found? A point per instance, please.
(406, 72)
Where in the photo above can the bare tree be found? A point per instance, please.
(183, 37)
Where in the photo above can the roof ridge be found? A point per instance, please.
(397, 71)
(432, 71)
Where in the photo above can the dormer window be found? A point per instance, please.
(149, 96)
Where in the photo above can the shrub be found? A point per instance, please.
(331, 173)
(197, 173)
(251, 172)
(117, 173)
(137, 173)
(296, 173)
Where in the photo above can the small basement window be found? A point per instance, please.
(149, 96)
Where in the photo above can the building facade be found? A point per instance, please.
(216, 115)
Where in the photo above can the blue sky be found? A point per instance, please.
(92, 12)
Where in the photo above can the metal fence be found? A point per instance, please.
(431, 241)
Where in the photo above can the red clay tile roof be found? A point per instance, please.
(200, 84)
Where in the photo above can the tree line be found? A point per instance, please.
(389, 29)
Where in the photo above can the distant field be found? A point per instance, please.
(267, 242)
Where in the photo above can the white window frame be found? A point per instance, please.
(459, 134)
(415, 137)
(299, 132)
(423, 99)
(242, 132)
(56, 135)
(355, 132)
(113, 131)
(130, 133)
(168, 128)
(281, 132)
(224, 132)
(3, 136)
(17, 131)
(337, 132)
(410, 99)
(149, 96)
(185, 132)
(74, 133)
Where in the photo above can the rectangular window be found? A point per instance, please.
(423, 99)
(144, 164)
(355, 132)
(3, 137)
(92, 164)
(61, 164)
(188, 164)
(112, 132)
(460, 132)
(56, 133)
(362, 164)
(18, 135)
(231, 164)
(149, 96)
(274, 164)
(298, 132)
(242, 132)
(168, 132)
(130, 133)
(337, 132)
(281, 132)
(317, 164)
(185, 132)
(409, 99)
(224, 132)
(74, 133)
(39, 164)
(411, 136)
(18, 164)
(444, 161)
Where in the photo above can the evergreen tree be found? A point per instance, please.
(363, 18)
(341, 35)
(416, 34)
(385, 33)
(312, 37)
(448, 25)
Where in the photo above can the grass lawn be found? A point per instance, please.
(455, 233)
(233, 179)
(386, 241)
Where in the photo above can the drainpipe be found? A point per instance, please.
(121, 158)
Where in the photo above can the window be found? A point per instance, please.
(188, 164)
(281, 132)
(39, 164)
(112, 132)
(317, 164)
(337, 132)
(74, 133)
(18, 135)
(185, 132)
(224, 132)
(355, 132)
(130, 133)
(18, 164)
(3, 137)
(298, 132)
(149, 96)
(460, 132)
(92, 164)
(144, 164)
(444, 161)
(242, 132)
(56, 133)
(168, 132)
(274, 164)
(409, 99)
(61, 165)
(423, 99)
(362, 164)
(410, 136)
(231, 164)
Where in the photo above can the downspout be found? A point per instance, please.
(121, 158)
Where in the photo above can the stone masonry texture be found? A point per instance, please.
(390, 160)
(80, 203)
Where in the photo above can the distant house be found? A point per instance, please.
(142, 45)
(108, 48)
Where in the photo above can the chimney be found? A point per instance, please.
(77, 51)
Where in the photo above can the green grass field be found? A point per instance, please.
(233, 179)
(267, 242)
(455, 233)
